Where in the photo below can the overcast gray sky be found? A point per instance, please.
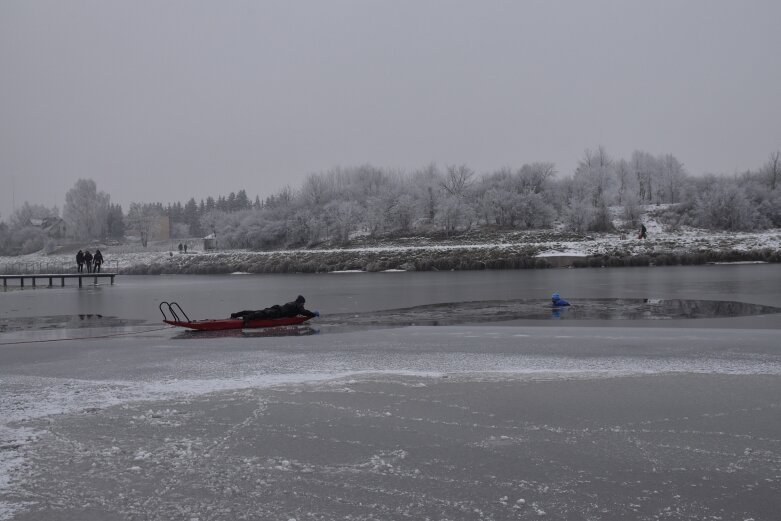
(163, 101)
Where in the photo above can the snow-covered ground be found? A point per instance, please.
(474, 249)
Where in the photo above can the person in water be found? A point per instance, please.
(557, 301)
(291, 309)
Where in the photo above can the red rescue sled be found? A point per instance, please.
(224, 323)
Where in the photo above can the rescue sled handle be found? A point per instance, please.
(172, 311)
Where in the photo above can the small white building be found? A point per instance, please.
(210, 242)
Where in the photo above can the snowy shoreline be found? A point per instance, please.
(512, 250)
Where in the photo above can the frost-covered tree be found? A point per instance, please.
(344, 218)
(24, 233)
(426, 187)
(28, 213)
(454, 213)
(458, 179)
(143, 219)
(579, 214)
(378, 209)
(535, 177)
(672, 176)
(631, 209)
(402, 213)
(28, 239)
(627, 182)
(724, 206)
(645, 169)
(319, 189)
(213, 221)
(533, 212)
(767, 202)
(595, 175)
(85, 210)
(772, 169)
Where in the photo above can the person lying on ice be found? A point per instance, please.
(557, 301)
(291, 309)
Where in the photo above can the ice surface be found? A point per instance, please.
(239, 421)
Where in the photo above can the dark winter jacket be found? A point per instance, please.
(291, 309)
(295, 308)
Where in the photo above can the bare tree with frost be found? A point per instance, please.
(595, 175)
(772, 169)
(672, 178)
(86, 210)
(457, 180)
(143, 219)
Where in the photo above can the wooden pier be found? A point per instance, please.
(33, 277)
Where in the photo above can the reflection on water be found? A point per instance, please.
(79, 321)
(249, 333)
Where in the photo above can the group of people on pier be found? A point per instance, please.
(92, 262)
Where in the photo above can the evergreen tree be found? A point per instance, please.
(242, 201)
(115, 222)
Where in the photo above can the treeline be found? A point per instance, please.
(331, 207)
(89, 215)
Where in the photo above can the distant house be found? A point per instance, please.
(53, 226)
(210, 242)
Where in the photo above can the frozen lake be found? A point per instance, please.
(107, 414)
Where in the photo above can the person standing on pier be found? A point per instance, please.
(97, 260)
(80, 261)
(88, 261)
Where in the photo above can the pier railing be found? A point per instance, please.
(36, 267)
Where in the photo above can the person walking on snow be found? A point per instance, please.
(643, 232)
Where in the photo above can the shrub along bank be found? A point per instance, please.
(423, 260)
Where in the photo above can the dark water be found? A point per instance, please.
(716, 291)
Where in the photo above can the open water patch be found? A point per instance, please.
(453, 313)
